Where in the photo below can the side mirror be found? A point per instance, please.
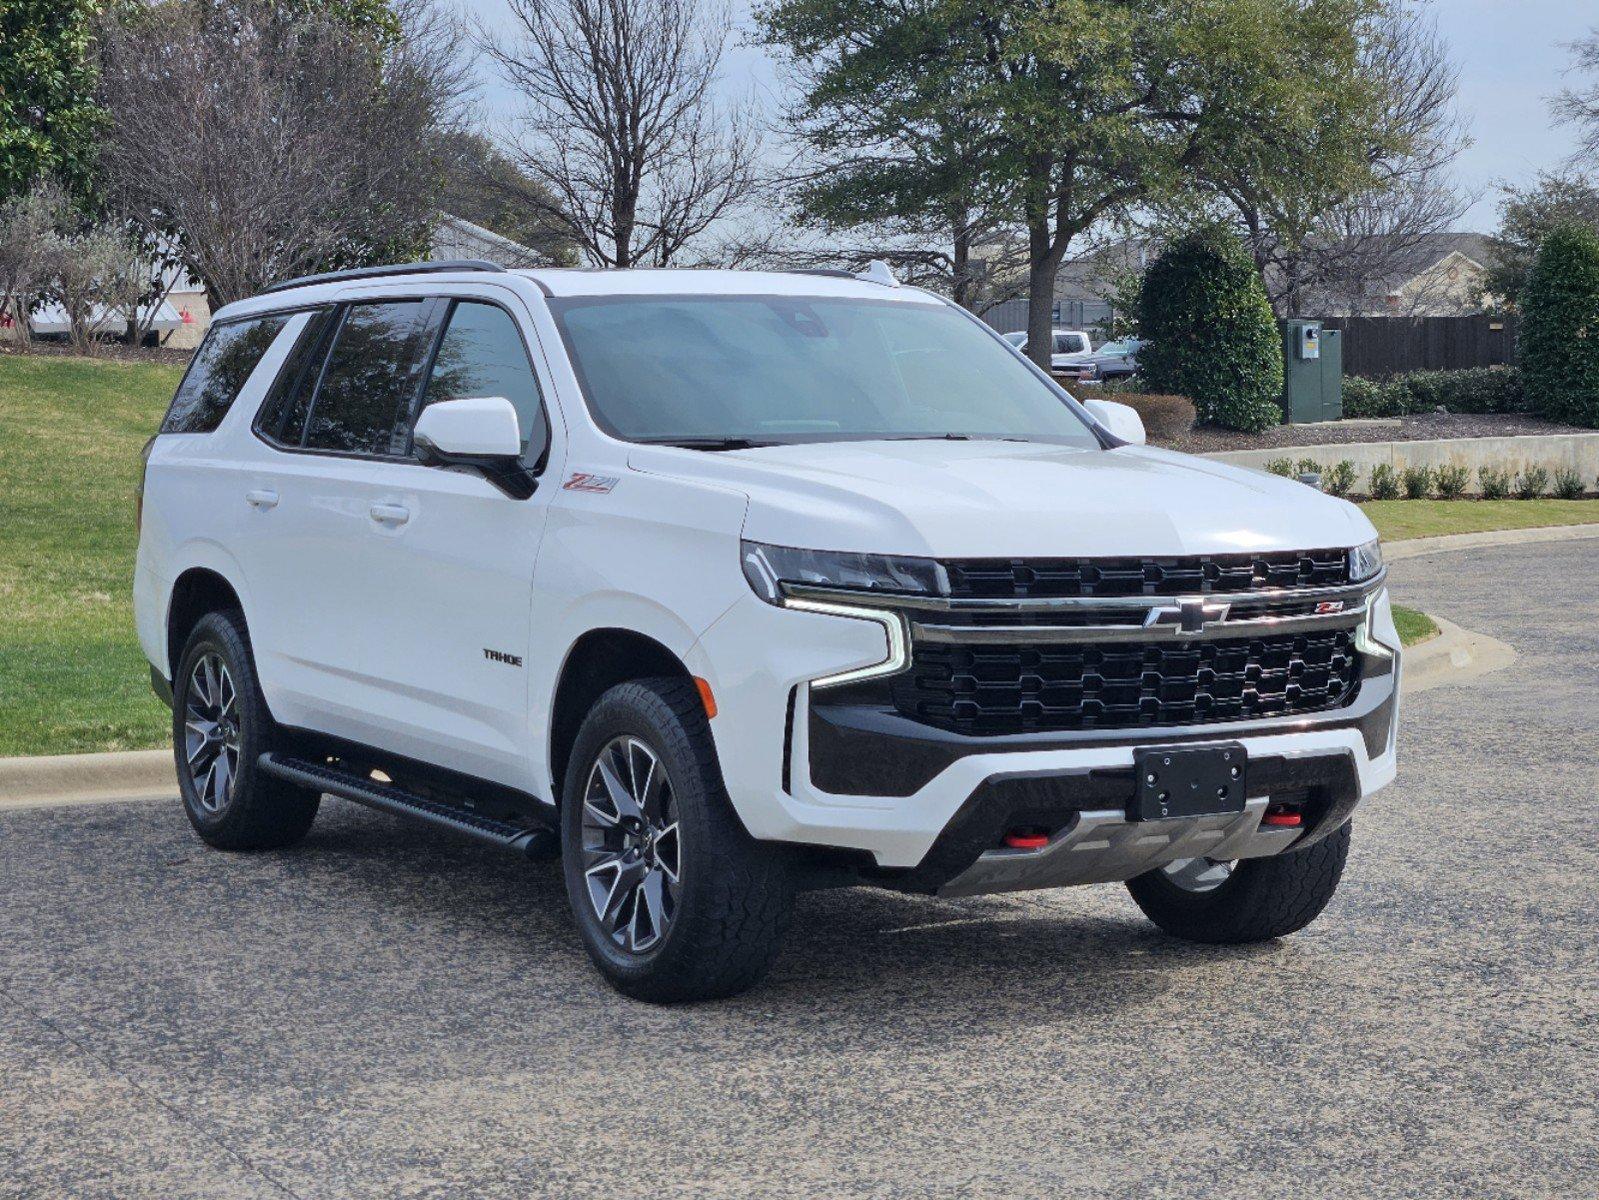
(1121, 419)
(479, 433)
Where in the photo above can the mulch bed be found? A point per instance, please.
(107, 351)
(1420, 428)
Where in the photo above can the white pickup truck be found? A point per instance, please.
(723, 585)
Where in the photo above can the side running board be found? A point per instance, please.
(401, 803)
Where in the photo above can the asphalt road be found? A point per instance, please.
(386, 1012)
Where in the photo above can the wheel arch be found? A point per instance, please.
(598, 661)
(196, 592)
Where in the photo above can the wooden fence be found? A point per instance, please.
(1380, 346)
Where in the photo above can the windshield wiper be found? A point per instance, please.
(710, 443)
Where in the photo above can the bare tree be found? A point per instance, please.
(1327, 239)
(1579, 106)
(29, 246)
(622, 126)
(267, 142)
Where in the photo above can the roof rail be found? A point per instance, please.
(413, 268)
(877, 271)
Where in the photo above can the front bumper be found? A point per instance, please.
(929, 806)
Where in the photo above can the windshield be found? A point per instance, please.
(1118, 347)
(1071, 343)
(777, 369)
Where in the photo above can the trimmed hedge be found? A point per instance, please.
(1210, 334)
(1560, 326)
(1472, 390)
(1166, 418)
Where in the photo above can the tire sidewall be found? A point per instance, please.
(217, 633)
(635, 710)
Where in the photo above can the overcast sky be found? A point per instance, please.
(1510, 53)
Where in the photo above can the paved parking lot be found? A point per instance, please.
(389, 1012)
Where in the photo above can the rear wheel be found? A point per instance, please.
(1251, 900)
(674, 900)
(220, 726)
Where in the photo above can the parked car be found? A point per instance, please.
(726, 585)
(1115, 360)
(1070, 354)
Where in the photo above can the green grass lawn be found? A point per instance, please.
(1413, 626)
(1397, 519)
(72, 677)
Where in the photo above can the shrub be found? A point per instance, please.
(1339, 478)
(1472, 390)
(1417, 482)
(1568, 483)
(1281, 466)
(1451, 481)
(1210, 334)
(1384, 482)
(1308, 466)
(1494, 482)
(1532, 482)
(1166, 418)
(1374, 398)
(1560, 326)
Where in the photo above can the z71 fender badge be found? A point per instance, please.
(582, 481)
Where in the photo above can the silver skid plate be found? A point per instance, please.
(1103, 846)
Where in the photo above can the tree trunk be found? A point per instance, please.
(961, 264)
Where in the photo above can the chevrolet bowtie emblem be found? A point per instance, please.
(1190, 616)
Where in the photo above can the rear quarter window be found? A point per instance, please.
(222, 364)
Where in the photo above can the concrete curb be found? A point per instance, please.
(1416, 547)
(85, 778)
(1456, 656)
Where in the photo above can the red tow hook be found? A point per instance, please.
(1283, 817)
(1019, 839)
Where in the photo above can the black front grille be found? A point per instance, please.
(1006, 689)
(1029, 578)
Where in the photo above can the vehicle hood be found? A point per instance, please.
(1002, 499)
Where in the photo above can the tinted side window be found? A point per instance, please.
(223, 362)
(289, 400)
(369, 381)
(481, 354)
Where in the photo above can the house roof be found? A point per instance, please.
(456, 237)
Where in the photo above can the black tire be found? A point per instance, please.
(733, 895)
(1263, 898)
(255, 811)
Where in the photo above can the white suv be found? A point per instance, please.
(724, 585)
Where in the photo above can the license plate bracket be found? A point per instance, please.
(1189, 781)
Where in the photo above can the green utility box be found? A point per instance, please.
(1313, 372)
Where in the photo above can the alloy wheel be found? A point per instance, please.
(632, 854)
(211, 732)
(1198, 874)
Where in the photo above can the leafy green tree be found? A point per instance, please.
(48, 117)
(1210, 334)
(1526, 217)
(1087, 108)
(1560, 327)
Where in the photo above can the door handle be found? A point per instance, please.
(261, 499)
(390, 514)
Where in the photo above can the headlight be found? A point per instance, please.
(1365, 561)
(769, 567)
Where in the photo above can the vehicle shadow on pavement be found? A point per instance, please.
(1027, 958)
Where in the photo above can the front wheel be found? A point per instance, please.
(1252, 900)
(674, 900)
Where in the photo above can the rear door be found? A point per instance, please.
(333, 435)
(450, 571)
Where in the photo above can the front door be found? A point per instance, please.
(450, 571)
